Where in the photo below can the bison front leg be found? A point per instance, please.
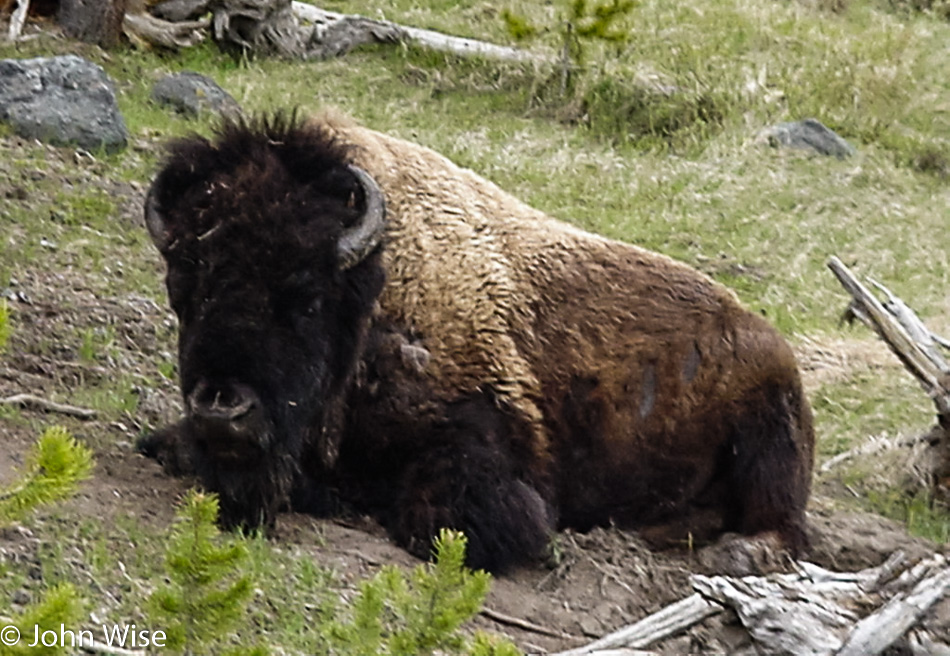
(471, 487)
(167, 447)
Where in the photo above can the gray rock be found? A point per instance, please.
(809, 134)
(192, 93)
(61, 100)
(177, 11)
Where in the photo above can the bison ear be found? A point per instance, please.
(158, 228)
(362, 237)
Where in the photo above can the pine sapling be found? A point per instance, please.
(55, 466)
(580, 23)
(60, 607)
(420, 612)
(206, 595)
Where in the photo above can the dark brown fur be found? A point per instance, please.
(512, 375)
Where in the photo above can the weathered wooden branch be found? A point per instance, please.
(99, 648)
(17, 19)
(816, 611)
(783, 617)
(874, 444)
(336, 33)
(667, 622)
(525, 625)
(810, 612)
(31, 401)
(904, 334)
(146, 30)
(881, 629)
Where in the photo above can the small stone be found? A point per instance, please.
(191, 94)
(808, 134)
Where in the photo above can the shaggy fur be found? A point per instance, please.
(512, 375)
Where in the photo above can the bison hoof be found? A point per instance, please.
(742, 555)
(165, 446)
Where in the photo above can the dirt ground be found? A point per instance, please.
(605, 579)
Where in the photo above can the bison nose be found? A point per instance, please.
(226, 403)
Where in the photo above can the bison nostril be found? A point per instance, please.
(228, 401)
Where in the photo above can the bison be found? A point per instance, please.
(362, 322)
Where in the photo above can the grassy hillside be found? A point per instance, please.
(656, 145)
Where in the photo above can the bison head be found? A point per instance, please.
(271, 240)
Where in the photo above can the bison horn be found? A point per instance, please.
(358, 241)
(155, 221)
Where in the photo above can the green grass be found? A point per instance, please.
(6, 324)
(917, 511)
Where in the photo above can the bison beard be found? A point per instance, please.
(364, 324)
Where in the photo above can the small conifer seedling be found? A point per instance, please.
(54, 468)
(206, 595)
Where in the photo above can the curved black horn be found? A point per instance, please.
(358, 241)
(155, 222)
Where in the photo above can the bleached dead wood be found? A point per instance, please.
(784, 618)
(145, 29)
(525, 625)
(881, 629)
(811, 612)
(17, 19)
(903, 332)
(265, 27)
(667, 622)
(816, 612)
(99, 648)
(32, 401)
(874, 444)
(330, 28)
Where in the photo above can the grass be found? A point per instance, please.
(6, 324)
(656, 147)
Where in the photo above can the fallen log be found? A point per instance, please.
(810, 612)
(335, 34)
(663, 624)
(300, 30)
(881, 629)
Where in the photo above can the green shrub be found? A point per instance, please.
(60, 607)
(54, 467)
(421, 612)
(56, 464)
(206, 596)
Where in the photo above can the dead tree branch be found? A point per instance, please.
(335, 33)
(525, 625)
(904, 334)
(667, 622)
(147, 30)
(18, 19)
(810, 612)
(31, 401)
(881, 629)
